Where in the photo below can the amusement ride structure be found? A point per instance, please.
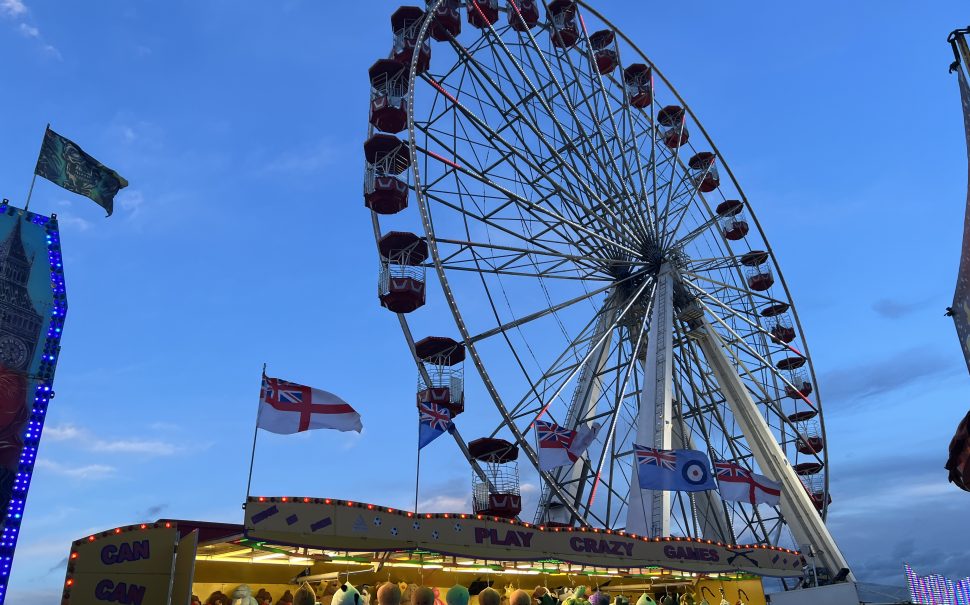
(603, 267)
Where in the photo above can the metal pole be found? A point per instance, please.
(252, 455)
(417, 474)
(30, 192)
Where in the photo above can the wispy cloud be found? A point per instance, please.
(13, 8)
(16, 9)
(84, 438)
(894, 309)
(859, 382)
(88, 472)
(304, 161)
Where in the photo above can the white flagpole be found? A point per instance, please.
(252, 455)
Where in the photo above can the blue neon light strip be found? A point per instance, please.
(42, 394)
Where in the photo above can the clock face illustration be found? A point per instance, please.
(13, 353)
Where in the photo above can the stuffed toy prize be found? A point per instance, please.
(243, 595)
(520, 597)
(305, 596)
(457, 595)
(389, 593)
(646, 599)
(599, 598)
(346, 595)
(422, 596)
(489, 596)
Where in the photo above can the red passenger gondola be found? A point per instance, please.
(638, 82)
(482, 13)
(703, 172)
(401, 286)
(733, 224)
(441, 379)
(671, 126)
(802, 386)
(496, 494)
(562, 18)
(386, 156)
(808, 468)
(406, 24)
(758, 272)
(810, 445)
(781, 328)
(388, 95)
(603, 44)
(523, 14)
(447, 20)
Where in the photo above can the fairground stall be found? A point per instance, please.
(287, 542)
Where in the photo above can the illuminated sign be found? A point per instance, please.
(32, 309)
(934, 589)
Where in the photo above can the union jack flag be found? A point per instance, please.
(553, 435)
(731, 470)
(438, 417)
(649, 456)
(281, 391)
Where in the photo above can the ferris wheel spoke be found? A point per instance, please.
(563, 132)
(731, 438)
(510, 255)
(624, 175)
(559, 219)
(480, 74)
(461, 164)
(727, 286)
(765, 362)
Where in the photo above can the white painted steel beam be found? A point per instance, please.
(797, 508)
(648, 511)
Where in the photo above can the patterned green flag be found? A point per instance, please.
(63, 163)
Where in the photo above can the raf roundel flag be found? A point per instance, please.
(673, 470)
(433, 421)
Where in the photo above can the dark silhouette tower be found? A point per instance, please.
(20, 323)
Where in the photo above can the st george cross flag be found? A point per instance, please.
(738, 484)
(433, 421)
(673, 470)
(554, 444)
(286, 408)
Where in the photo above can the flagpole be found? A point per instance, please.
(417, 474)
(30, 191)
(252, 455)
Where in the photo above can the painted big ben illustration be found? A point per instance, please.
(20, 323)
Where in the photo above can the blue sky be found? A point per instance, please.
(243, 239)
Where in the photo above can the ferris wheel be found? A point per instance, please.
(601, 263)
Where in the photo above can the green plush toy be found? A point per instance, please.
(646, 599)
(457, 595)
(621, 600)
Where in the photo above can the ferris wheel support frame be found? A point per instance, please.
(800, 514)
(650, 515)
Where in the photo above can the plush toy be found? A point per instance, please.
(407, 593)
(646, 599)
(599, 598)
(457, 595)
(217, 598)
(489, 596)
(286, 599)
(621, 600)
(196, 600)
(365, 598)
(263, 597)
(305, 596)
(520, 597)
(243, 595)
(542, 596)
(668, 599)
(423, 596)
(346, 595)
(389, 593)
